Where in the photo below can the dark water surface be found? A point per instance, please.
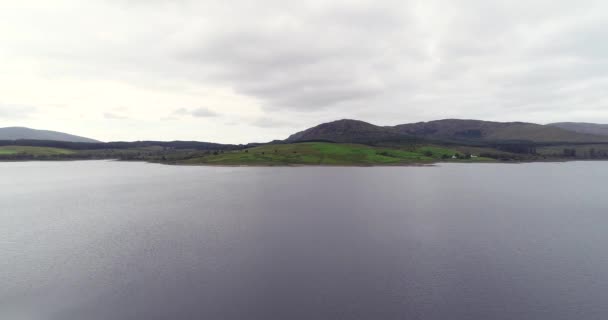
(106, 240)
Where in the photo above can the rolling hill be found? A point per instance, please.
(341, 142)
(449, 130)
(348, 131)
(583, 127)
(459, 130)
(22, 133)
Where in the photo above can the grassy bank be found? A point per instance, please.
(320, 153)
(309, 153)
(33, 151)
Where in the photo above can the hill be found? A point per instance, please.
(342, 142)
(22, 133)
(348, 131)
(456, 129)
(449, 130)
(583, 127)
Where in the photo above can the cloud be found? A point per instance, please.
(309, 61)
(271, 123)
(114, 116)
(181, 112)
(197, 113)
(468, 60)
(203, 113)
(15, 111)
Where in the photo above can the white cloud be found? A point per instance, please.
(266, 63)
(203, 113)
(15, 111)
(270, 123)
(114, 116)
(196, 112)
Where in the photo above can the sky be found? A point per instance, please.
(243, 71)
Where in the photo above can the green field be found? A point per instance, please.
(34, 151)
(309, 153)
(320, 153)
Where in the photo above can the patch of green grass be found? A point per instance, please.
(321, 153)
(34, 151)
(446, 154)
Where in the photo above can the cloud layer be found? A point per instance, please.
(271, 67)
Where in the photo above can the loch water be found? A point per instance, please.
(98, 240)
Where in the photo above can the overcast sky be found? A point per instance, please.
(241, 71)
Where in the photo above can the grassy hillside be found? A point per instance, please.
(320, 153)
(582, 127)
(34, 151)
(349, 131)
(476, 130)
(540, 133)
(448, 130)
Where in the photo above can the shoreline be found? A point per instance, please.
(296, 165)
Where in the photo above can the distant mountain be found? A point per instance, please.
(583, 127)
(347, 130)
(456, 129)
(22, 133)
(452, 130)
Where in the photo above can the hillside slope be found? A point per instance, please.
(346, 130)
(448, 130)
(22, 133)
(583, 127)
(456, 129)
